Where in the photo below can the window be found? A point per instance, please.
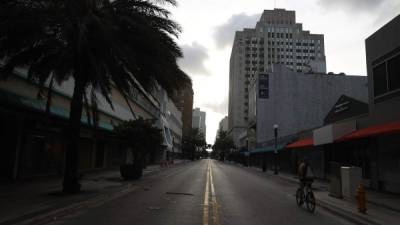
(380, 81)
(393, 67)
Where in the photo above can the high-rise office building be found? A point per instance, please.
(199, 120)
(183, 100)
(276, 39)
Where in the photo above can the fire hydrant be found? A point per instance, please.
(361, 200)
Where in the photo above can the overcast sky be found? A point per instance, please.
(209, 26)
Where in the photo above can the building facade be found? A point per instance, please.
(199, 120)
(170, 123)
(32, 133)
(383, 60)
(297, 102)
(183, 100)
(276, 39)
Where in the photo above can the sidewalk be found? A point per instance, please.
(21, 201)
(382, 208)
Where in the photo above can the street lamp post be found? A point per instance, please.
(276, 148)
(173, 146)
(247, 152)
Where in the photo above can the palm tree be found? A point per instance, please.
(97, 43)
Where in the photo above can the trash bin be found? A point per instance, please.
(351, 178)
(335, 185)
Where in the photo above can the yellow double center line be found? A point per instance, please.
(210, 198)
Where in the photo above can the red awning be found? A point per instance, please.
(301, 143)
(381, 129)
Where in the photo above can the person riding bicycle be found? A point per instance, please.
(304, 193)
(305, 173)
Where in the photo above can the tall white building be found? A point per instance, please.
(276, 39)
(199, 120)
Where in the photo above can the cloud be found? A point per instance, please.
(193, 59)
(218, 107)
(225, 33)
(389, 11)
(359, 5)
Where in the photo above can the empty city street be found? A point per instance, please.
(204, 192)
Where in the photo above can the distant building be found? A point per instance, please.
(199, 120)
(223, 124)
(276, 39)
(183, 100)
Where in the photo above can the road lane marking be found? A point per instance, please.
(214, 200)
(206, 199)
(213, 205)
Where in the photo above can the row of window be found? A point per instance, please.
(261, 69)
(279, 22)
(254, 62)
(254, 49)
(280, 35)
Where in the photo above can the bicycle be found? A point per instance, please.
(306, 195)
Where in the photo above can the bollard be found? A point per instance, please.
(361, 199)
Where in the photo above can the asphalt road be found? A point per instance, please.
(204, 192)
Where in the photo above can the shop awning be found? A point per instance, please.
(301, 143)
(270, 148)
(372, 131)
(40, 105)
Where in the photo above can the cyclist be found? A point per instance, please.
(305, 173)
(306, 178)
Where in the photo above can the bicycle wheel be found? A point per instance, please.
(310, 201)
(299, 197)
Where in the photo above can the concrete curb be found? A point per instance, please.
(349, 216)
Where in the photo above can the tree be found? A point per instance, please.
(100, 44)
(222, 145)
(141, 137)
(192, 142)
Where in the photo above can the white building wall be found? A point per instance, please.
(299, 102)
